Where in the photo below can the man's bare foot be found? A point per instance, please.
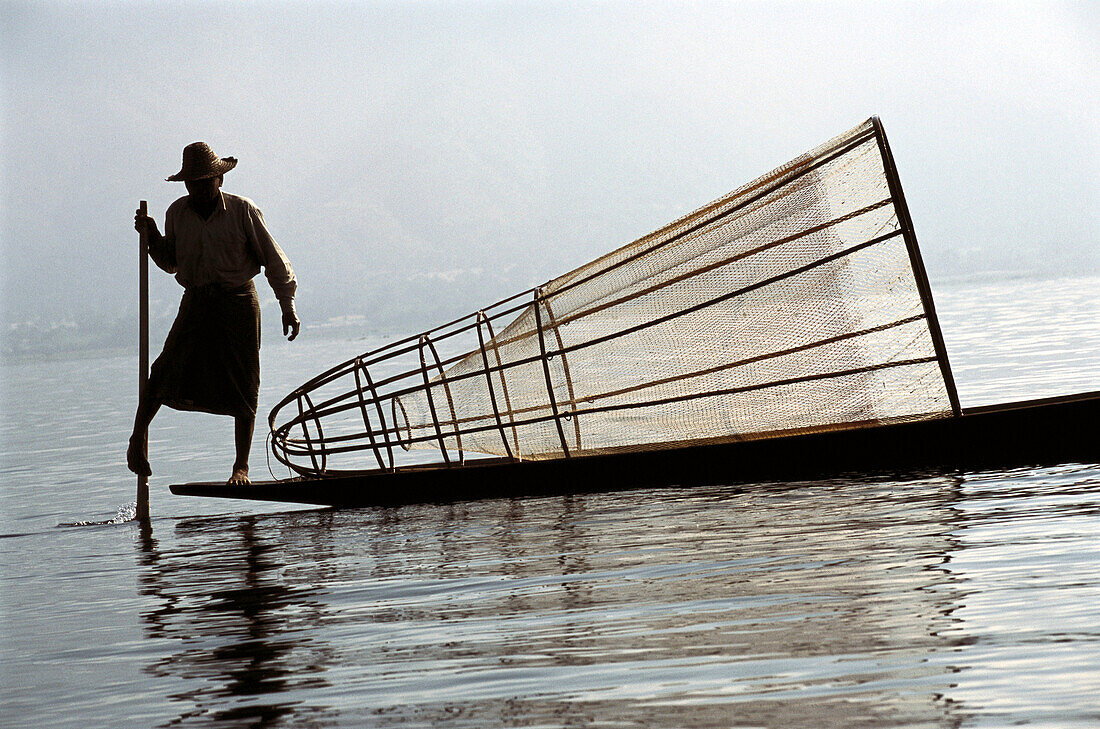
(239, 477)
(137, 459)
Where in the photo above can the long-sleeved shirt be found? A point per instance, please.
(227, 249)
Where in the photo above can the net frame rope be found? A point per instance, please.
(410, 373)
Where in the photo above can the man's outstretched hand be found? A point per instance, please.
(291, 325)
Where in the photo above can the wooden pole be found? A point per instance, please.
(142, 511)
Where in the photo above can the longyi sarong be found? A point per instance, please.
(211, 357)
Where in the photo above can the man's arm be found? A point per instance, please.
(161, 249)
(277, 269)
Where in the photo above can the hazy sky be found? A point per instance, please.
(419, 159)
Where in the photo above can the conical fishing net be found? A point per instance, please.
(791, 305)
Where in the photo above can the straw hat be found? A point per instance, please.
(200, 162)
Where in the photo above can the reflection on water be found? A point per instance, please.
(809, 604)
(923, 602)
(234, 622)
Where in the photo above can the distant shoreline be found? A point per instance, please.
(57, 341)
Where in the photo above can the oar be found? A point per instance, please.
(142, 511)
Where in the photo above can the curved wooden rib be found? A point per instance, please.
(359, 366)
(546, 372)
(489, 381)
(320, 449)
(450, 400)
(565, 367)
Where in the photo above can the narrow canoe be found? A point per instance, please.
(1034, 432)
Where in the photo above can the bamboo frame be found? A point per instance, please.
(917, 263)
(366, 418)
(489, 384)
(546, 371)
(416, 381)
(565, 371)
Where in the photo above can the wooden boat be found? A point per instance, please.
(784, 331)
(1036, 432)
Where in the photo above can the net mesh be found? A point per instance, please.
(789, 305)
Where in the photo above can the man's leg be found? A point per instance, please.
(137, 454)
(242, 431)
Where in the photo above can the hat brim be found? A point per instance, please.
(220, 167)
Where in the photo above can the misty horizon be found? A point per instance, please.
(417, 162)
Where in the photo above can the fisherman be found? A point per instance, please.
(215, 242)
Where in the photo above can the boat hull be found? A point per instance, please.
(1035, 432)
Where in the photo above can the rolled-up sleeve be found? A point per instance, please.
(277, 268)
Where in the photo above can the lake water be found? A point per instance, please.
(968, 599)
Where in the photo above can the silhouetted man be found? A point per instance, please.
(215, 243)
